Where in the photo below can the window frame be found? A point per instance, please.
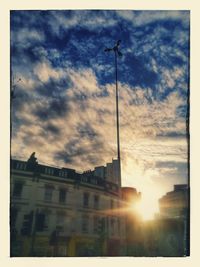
(17, 193)
(85, 223)
(48, 195)
(64, 190)
(86, 199)
(96, 202)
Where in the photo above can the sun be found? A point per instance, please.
(143, 182)
(146, 208)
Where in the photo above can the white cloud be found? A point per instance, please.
(84, 82)
(84, 18)
(145, 17)
(44, 71)
(26, 37)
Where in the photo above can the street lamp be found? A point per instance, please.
(117, 53)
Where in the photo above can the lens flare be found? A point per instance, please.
(146, 208)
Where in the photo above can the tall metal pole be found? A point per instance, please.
(117, 118)
(117, 52)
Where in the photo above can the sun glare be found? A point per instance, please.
(146, 208)
(151, 191)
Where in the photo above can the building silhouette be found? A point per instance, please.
(133, 222)
(175, 203)
(168, 234)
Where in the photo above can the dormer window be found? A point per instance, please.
(49, 171)
(21, 166)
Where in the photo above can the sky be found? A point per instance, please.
(64, 105)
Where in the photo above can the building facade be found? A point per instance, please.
(110, 172)
(171, 231)
(59, 212)
(175, 203)
(133, 222)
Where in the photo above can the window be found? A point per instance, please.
(49, 171)
(62, 195)
(85, 224)
(27, 224)
(61, 217)
(17, 190)
(85, 200)
(84, 179)
(93, 181)
(43, 220)
(47, 220)
(96, 202)
(111, 204)
(63, 173)
(48, 193)
(118, 225)
(21, 166)
(112, 226)
(95, 224)
(13, 217)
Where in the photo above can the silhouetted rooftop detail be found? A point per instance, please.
(32, 159)
(69, 175)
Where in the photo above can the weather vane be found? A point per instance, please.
(115, 48)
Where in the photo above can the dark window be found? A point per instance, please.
(85, 200)
(17, 191)
(27, 224)
(40, 222)
(95, 224)
(96, 202)
(111, 204)
(60, 220)
(21, 166)
(13, 217)
(62, 195)
(49, 171)
(43, 220)
(48, 193)
(85, 224)
(112, 226)
(118, 225)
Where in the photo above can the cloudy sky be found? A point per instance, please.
(64, 108)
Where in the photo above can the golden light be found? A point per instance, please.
(146, 208)
(150, 190)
